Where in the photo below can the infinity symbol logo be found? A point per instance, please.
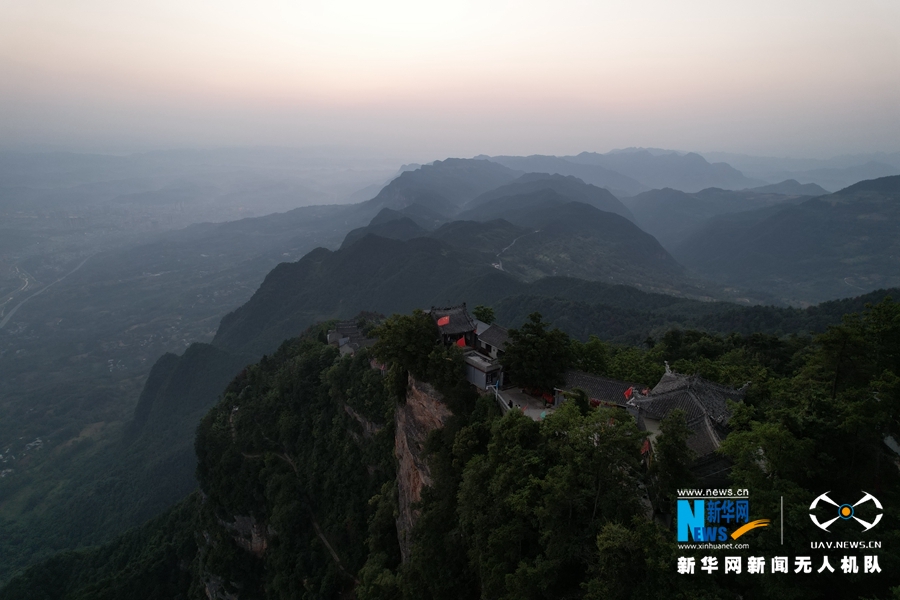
(845, 511)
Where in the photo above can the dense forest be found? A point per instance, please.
(299, 479)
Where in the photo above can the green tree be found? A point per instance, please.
(497, 499)
(532, 506)
(672, 468)
(484, 313)
(536, 357)
(824, 430)
(636, 562)
(591, 356)
(633, 364)
(407, 340)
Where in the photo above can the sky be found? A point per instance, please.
(795, 78)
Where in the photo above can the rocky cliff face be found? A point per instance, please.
(250, 534)
(423, 412)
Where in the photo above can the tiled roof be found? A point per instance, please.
(703, 402)
(496, 336)
(600, 388)
(480, 327)
(346, 327)
(460, 321)
(706, 437)
(693, 394)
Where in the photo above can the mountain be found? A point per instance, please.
(597, 175)
(135, 304)
(686, 172)
(653, 151)
(490, 237)
(441, 186)
(117, 482)
(423, 216)
(74, 379)
(709, 237)
(401, 228)
(837, 178)
(577, 240)
(374, 274)
(320, 474)
(506, 207)
(463, 260)
(828, 247)
(386, 275)
(217, 266)
(630, 172)
(768, 167)
(381, 275)
(791, 187)
(672, 216)
(569, 186)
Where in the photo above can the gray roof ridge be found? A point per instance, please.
(711, 431)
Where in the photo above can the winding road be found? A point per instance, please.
(499, 263)
(40, 291)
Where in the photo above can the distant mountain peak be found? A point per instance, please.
(886, 186)
(441, 186)
(792, 187)
(542, 187)
(639, 149)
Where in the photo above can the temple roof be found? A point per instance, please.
(601, 388)
(460, 320)
(496, 336)
(703, 402)
(691, 393)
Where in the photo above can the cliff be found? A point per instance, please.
(423, 412)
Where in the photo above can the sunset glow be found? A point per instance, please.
(460, 77)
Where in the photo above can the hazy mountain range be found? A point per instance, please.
(820, 248)
(832, 174)
(99, 304)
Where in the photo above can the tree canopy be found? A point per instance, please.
(536, 357)
(484, 313)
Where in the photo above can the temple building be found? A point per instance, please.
(706, 414)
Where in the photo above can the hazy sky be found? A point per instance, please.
(802, 78)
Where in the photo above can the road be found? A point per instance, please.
(499, 263)
(40, 291)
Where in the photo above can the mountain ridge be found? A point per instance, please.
(814, 250)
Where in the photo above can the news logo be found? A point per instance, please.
(715, 519)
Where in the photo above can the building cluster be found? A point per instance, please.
(705, 404)
(483, 344)
(348, 338)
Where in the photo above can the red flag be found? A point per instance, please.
(461, 342)
(628, 393)
(645, 447)
(443, 321)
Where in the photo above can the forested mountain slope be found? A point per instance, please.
(308, 463)
(672, 216)
(571, 187)
(817, 250)
(687, 172)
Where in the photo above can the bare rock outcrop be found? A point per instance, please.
(250, 534)
(423, 412)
